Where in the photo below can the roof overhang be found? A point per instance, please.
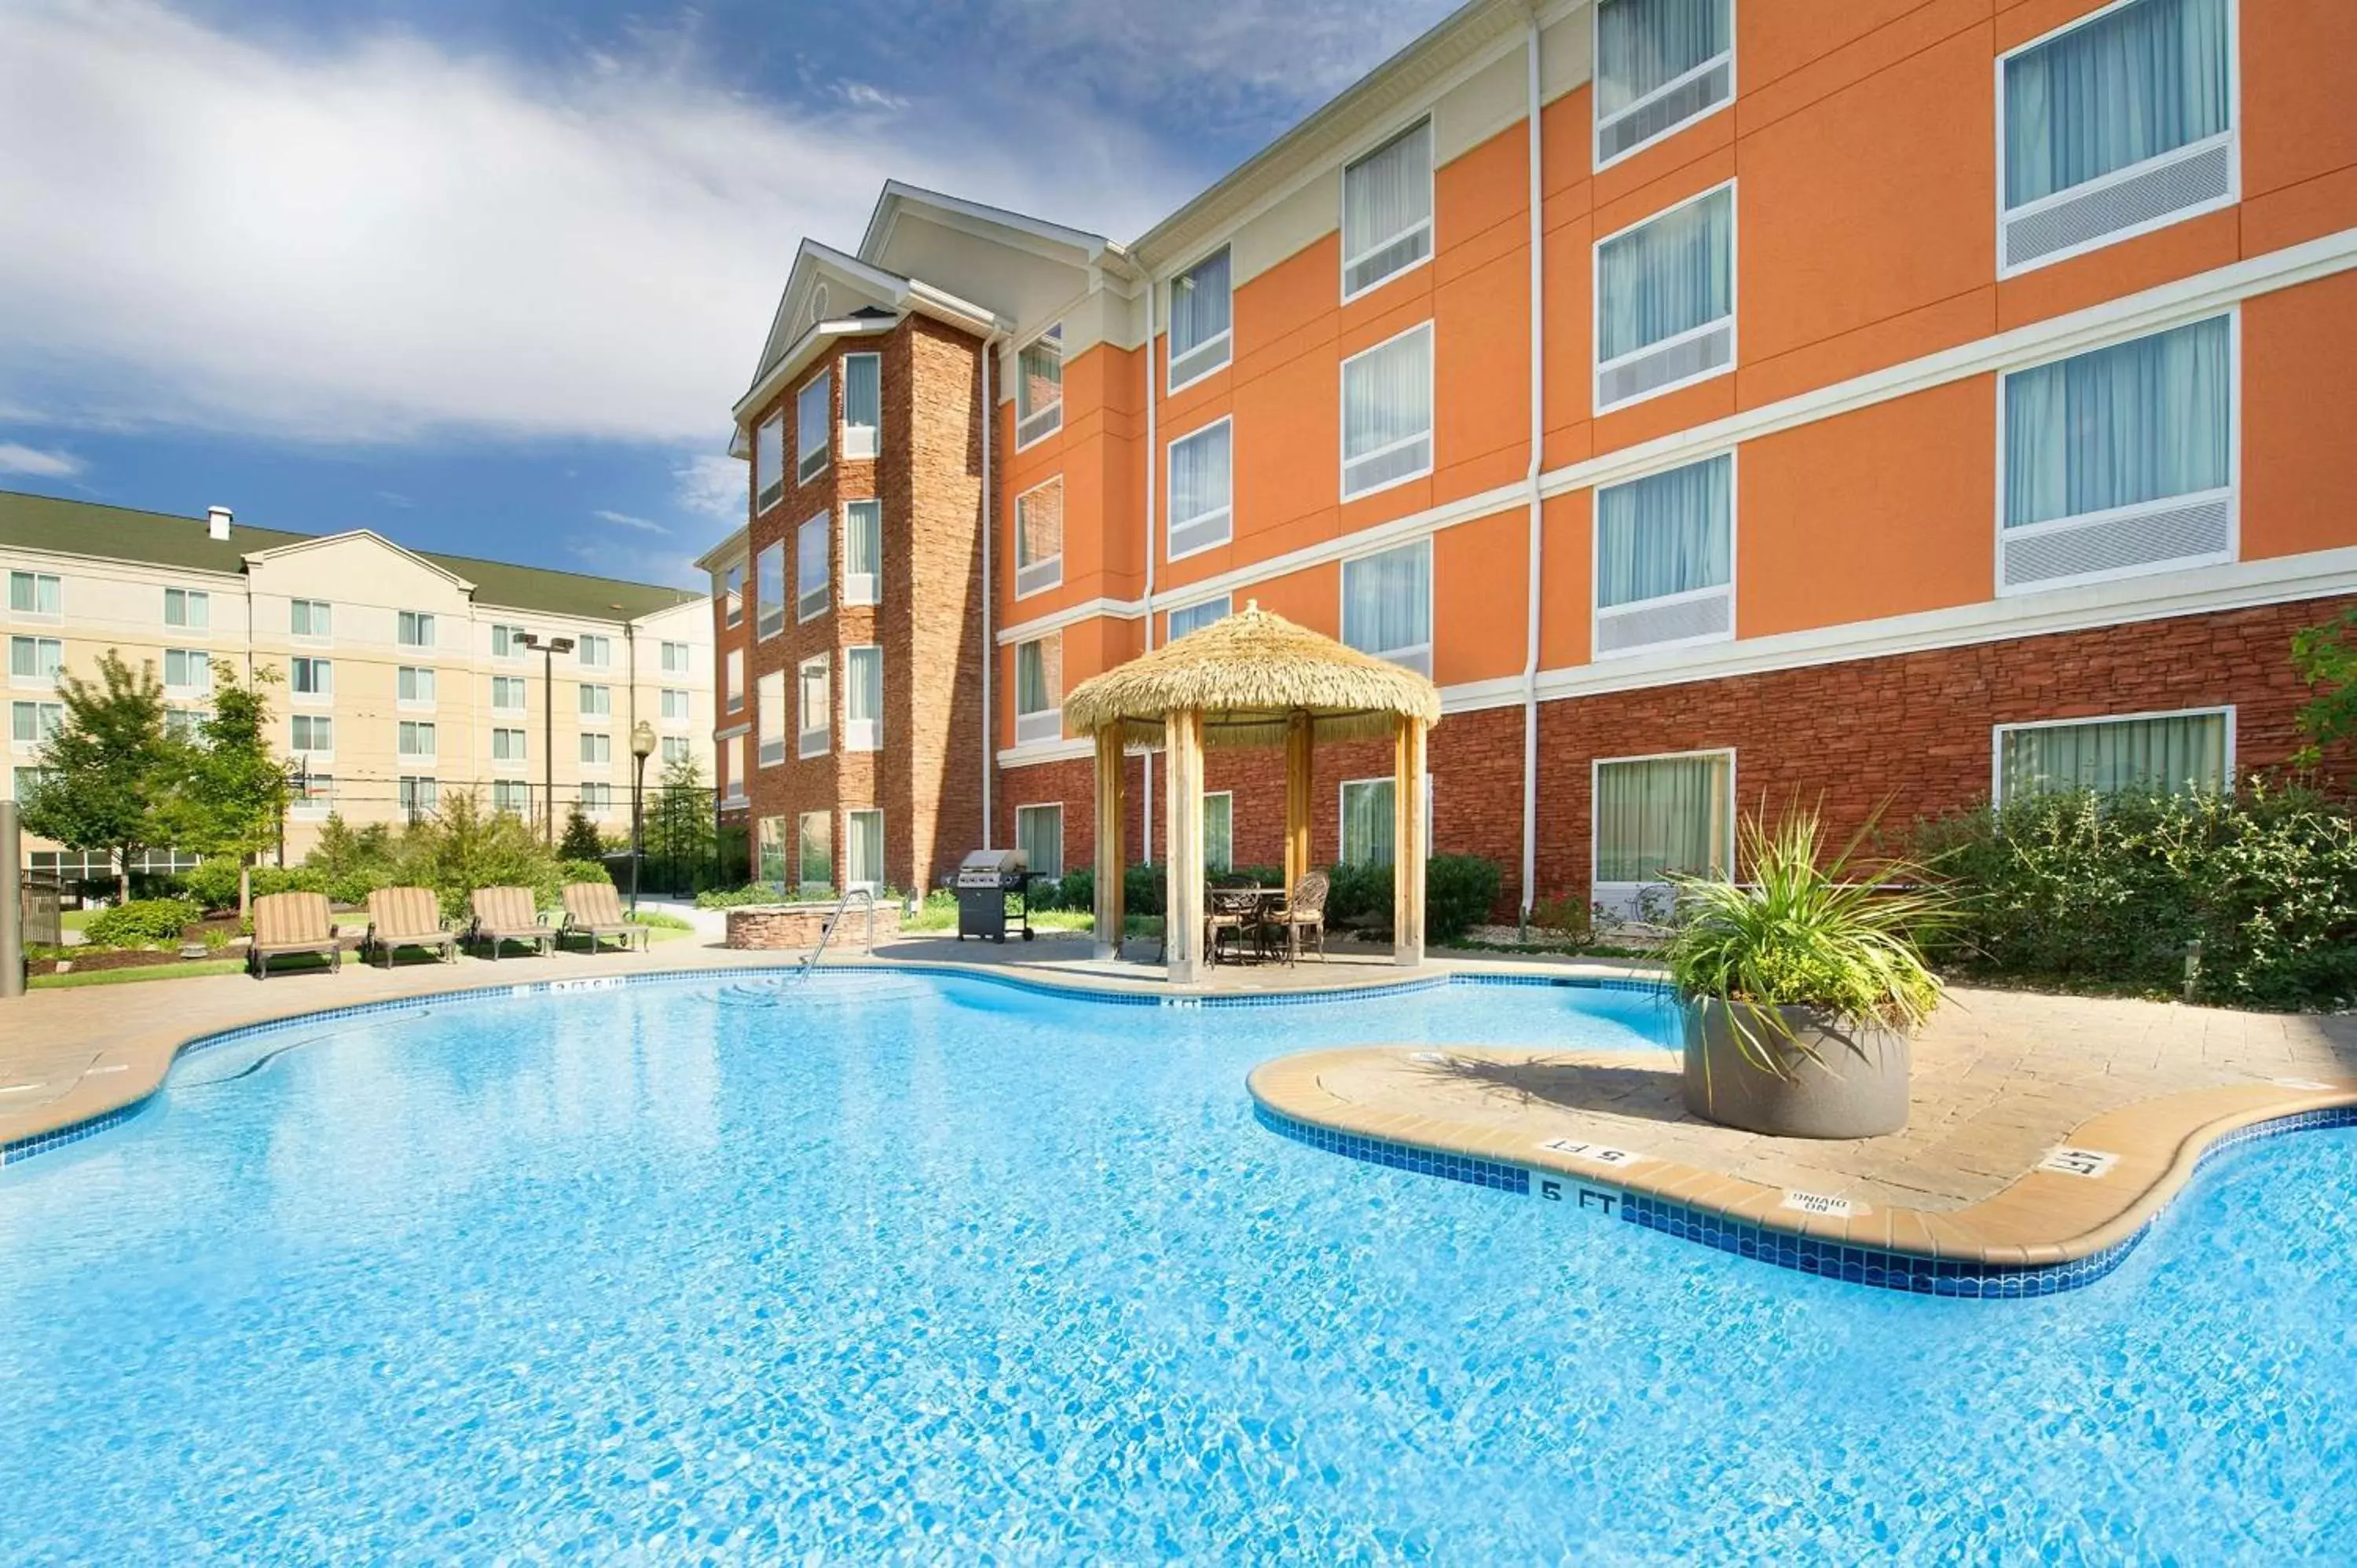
(1053, 240)
(282, 552)
(724, 552)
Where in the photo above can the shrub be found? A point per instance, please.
(1078, 890)
(583, 870)
(1358, 895)
(2079, 890)
(581, 840)
(143, 922)
(735, 898)
(212, 883)
(288, 879)
(1460, 890)
(1143, 890)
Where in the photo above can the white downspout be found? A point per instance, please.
(1538, 456)
(989, 531)
(1152, 473)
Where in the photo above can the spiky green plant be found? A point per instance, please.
(1801, 933)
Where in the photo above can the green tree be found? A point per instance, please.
(2326, 658)
(679, 822)
(109, 765)
(581, 841)
(229, 796)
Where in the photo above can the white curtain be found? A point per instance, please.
(863, 684)
(863, 539)
(1387, 192)
(1665, 814)
(1675, 274)
(863, 849)
(2136, 421)
(862, 389)
(1199, 474)
(1367, 822)
(1218, 832)
(1666, 533)
(1039, 834)
(817, 705)
(2142, 82)
(1198, 304)
(1037, 675)
(811, 564)
(1039, 524)
(2177, 755)
(1387, 599)
(1387, 395)
(770, 698)
(1641, 44)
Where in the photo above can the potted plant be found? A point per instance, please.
(1803, 986)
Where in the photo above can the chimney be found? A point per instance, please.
(216, 521)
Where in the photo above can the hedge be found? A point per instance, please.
(143, 922)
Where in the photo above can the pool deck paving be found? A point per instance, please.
(2002, 1080)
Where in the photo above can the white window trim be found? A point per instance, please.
(785, 593)
(312, 639)
(37, 682)
(1430, 225)
(862, 735)
(803, 616)
(762, 744)
(770, 491)
(416, 704)
(1598, 612)
(1057, 560)
(843, 872)
(1230, 796)
(1055, 806)
(2232, 138)
(1015, 390)
(1171, 522)
(802, 476)
(1597, 122)
(325, 699)
(873, 591)
(1595, 765)
(1998, 732)
(40, 617)
(1170, 636)
(1227, 335)
(1341, 815)
(1733, 319)
(823, 735)
(1431, 598)
(2232, 494)
(179, 629)
(433, 735)
(1431, 436)
(874, 445)
(1034, 728)
(310, 754)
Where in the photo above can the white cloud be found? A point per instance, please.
(711, 484)
(624, 520)
(40, 464)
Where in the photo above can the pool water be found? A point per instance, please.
(941, 1270)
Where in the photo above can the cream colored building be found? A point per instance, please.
(403, 674)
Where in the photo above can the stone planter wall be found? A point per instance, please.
(770, 928)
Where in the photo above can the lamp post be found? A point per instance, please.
(548, 649)
(642, 745)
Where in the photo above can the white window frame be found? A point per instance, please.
(2231, 139)
(1055, 806)
(516, 739)
(1597, 122)
(37, 680)
(415, 677)
(590, 743)
(598, 642)
(507, 633)
(41, 731)
(770, 489)
(189, 598)
(872, 435)
(1170, 633)
(1226, 337)
(801, 877)
(324, 691)
(728, 762)
(2232, 495)
(823, 594)
(1422, 663)
(314, 795)
(313, 609)
(1038, 577)
(505, 793)
(522, 686)
(418, 621)
(204, 662)
(1025, 437)
(767, 752)
(307, 725)
(1342, 816)
(1634, 891)
(862, 735)
(733, 683)
(1042, 726)
(1734, 318)
(732, 595)
(824, 451)
(1172, 522)
(1230, 797)
(581, 708)
(863, 587)
(37, 616)
(675, 657)
(595, 797)
(1431, 436)
(686, 704)
(1598, 613)
(809, 742)
(843, 878)
(1998, 732)
(415, 730)
(1430, 225)
(763, 628)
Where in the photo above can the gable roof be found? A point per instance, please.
(162, 539)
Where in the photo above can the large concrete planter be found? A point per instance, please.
(1855, 1089)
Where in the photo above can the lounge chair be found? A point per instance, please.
(593, 909)
(507, 914)
(291, 923)
(407, 918)
(1304, 912)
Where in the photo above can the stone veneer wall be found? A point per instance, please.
(771, 927)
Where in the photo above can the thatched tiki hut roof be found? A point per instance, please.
(1248, 675)
(1254, 679)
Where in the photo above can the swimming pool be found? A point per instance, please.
(911, 1268)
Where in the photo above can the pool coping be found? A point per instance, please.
(2050, 1230)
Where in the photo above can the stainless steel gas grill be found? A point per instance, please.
(985, 878)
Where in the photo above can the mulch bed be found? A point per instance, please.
(83, 959)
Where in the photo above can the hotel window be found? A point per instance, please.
(676, 706)
(732, 597)
(769, 462)
(674, 659)
(1196, 616)
(596, 751)
(2120, 461)
(507, 641)
(1039, 387)
(2119, 124)
(863, 552)
(1200, 513)
(1039, 690)
(1202, 304)
(312, 734)
(27, 780)
(812, 406)
(512, 796)
(732, 687)
(594, 651)
(1367, 821)
(414, 687)
(811, 569)
(508, 693)
(769, 850)
(36, 594)
(1387, 413)
(2149, 754)
(597, 800)
(863, 404)
(1666, 559)
(315, 678)
(310, 618)
(188, 670)
(815, 704)
(769, 717)
(189, 609)
(184, 724)
(676, 748)
(594, 702)
(417, 629)
(1220, 831)
(1039, 538)
(1656, 815)
(1665, 301)
(1660, 65)
(314, 795)
(1039, 834)
(1387, 604)
(815, 850)
(31, 724)
(732, 759)
(863, 850)
(510, 746)
(36, 658)
(863, 699)
(770, 590)
(1387, 211)
(416, 738)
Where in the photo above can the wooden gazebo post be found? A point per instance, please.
(1182, 933)
(1300, 749)
(1408, 842)
(1112, 809)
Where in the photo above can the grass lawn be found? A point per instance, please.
(144, 971)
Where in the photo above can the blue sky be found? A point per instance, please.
(486, 275)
